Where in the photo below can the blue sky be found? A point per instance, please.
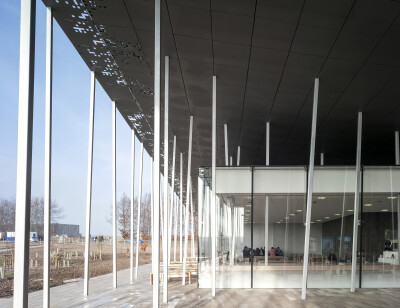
(71, 92)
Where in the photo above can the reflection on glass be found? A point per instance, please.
(380, 242)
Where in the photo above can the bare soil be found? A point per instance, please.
(62, 275)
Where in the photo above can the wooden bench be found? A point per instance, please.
(176, 271)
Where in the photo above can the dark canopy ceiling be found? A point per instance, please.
(265, 55)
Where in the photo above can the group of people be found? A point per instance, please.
(247, 252)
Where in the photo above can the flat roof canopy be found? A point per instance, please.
(265, 55)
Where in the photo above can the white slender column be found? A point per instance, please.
(356, 203)
(24, 154)
(139, 210)
(152, 215)
(267, 145)
(238, 156)
(226, 144)
(398, 222)
(156, 175)
(322, 159)
(187, 199)
(397, 149)
(133, 205)
(47, 157)
(213, 205)
(114, 184)
(192, 254)
(89, 184)
(171, 208)
(230, 161)
(166, 233)
(181, 210)
(266, 228)
(175, 224)
(310, 189)
(200, 206)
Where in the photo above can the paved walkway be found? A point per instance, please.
(139, 294)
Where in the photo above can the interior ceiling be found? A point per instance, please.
(291, 208)
(265, 54)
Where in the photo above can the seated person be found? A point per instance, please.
(262, 252)
(257, 252)
(246, 252)
(272, 252)
(278, 252)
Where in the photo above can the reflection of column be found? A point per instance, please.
(266, 228)
(232, 235)
(356, 204)
(310, 190)
(234, 226)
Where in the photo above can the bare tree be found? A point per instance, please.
(7, 215)
(124, 216)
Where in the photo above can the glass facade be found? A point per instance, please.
(261, 217)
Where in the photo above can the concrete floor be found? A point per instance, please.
(139, 294)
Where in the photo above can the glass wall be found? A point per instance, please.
(380, 228)
(260, 214)
(278, 227)
(331, 233)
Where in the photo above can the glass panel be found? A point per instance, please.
(331, 230)
(279, 204)
(380, 234)
(204, 212)
(233, 228)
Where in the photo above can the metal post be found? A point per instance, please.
(238, 156)
(47, 158)
(139, 209)
(24, 154)
(230, 161)
(397, 149)
(266, 228)
(267, 141)
(213, 164)
(165, 225)
(89, 184)
(114, 185)
(356, 203)
(181, 210)
(156, 175)
(187, 198)
(152, 215)
(310, 190)
(133, 205)
(226, 144)
(192, 254)
(322, 159)
(172, 204)
(175, 224)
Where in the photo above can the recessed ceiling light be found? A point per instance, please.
(321, 198)
(291, 214)
(337, 214)
(318, 219)
(385, 210)
(391, 197)
(286, 217)
(278, 222)
(299, 211)
(368, 204)
(327, 217)
(350, 210)
(312, 222)
(248, 205)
